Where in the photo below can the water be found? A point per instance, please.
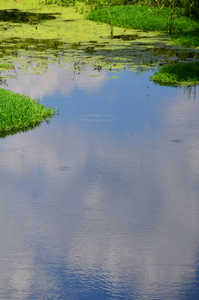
(102, 203)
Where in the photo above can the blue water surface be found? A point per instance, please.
(102, 203)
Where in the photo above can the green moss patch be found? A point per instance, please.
(181, 73)
(19, 111)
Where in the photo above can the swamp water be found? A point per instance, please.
(102, 202)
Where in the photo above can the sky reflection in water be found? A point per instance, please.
(103, 202)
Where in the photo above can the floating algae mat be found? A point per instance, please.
(34, 35)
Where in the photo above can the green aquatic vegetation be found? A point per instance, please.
(58, 2)
(189, 38)
(19, 111)
(69, 26)
(5, 66)
(28, 46)
(181, 73)
(70, 38)
(145, 18)
(190, 7)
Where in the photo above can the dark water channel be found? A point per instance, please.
(17, 16)
(103, 202)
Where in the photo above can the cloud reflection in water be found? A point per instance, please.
(86, 213)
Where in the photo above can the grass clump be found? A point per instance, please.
(178, 73)
(18, 112)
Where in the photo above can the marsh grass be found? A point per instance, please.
(18, 112)
(189, 38)
(184, 30)
(178, 73)
(145, 18)
(58, 2)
